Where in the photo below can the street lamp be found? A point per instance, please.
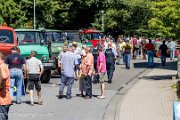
(102, 13)
(34, 14)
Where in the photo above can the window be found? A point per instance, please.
(6, 36)
(28, 37)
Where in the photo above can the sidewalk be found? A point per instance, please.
(152, 97)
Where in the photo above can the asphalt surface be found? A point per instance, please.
(77, 108)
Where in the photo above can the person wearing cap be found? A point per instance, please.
(16, 64)
(127, 48)
(111, 56)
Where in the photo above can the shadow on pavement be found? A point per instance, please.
(169, 65)
(144, 65)
(158, 77)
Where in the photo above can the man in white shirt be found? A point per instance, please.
(34, 70)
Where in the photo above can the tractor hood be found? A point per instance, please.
(41, 50)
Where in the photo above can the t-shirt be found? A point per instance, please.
(68, 62)
(4, 88)
(150, 46)
(163, 49)
(127, 48)
(101, 58)
(34, 65)
(78, 52)
(15, 61)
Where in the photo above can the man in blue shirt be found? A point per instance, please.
(111, 56)
(68, 63)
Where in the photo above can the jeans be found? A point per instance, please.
(69, 81)
(16, 78)
(4, 109)
(110, 67)
(172, 52)
(121, 56)
(88, 84)
(163, 60)
(150, 54)
(135, 52)
(127, 60)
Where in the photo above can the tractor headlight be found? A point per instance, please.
(44, 58)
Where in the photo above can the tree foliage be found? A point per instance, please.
(150, 17)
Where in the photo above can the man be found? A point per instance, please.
(68, 63)
(90, 69)
(5, 99)
(101, 67)
(150, 52)
(110, 54)
(127, 48)
(16, 63)
(163, 49)
(95, 55)
(65, 48)
(34, 70)
(172, 48)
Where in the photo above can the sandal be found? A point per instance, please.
(101, 97)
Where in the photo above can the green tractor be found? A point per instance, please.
(53, 39)
(32, 40)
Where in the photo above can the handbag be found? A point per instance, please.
(34, 77)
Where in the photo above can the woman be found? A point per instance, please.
(83, 73)
(121, 43)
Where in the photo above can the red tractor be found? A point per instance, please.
(90, 36)
(8, 39)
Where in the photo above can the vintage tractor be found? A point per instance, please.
(7, 39)
(32, 40)
(90, 36)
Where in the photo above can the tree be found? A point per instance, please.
(11, 13)
(165, 19)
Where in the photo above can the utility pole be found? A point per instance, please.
(34, 14)
(102, 13)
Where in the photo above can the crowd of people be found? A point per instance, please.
(87, 65)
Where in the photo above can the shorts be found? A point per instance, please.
(101, 77)
(36, 83)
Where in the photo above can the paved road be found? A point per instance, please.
(77, 108)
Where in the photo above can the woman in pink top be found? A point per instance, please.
(101, 67)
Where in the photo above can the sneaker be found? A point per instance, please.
(68, 97)
(60, 96)
(101, 97)
(87, 97)
(40, 102)
(18, 102)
